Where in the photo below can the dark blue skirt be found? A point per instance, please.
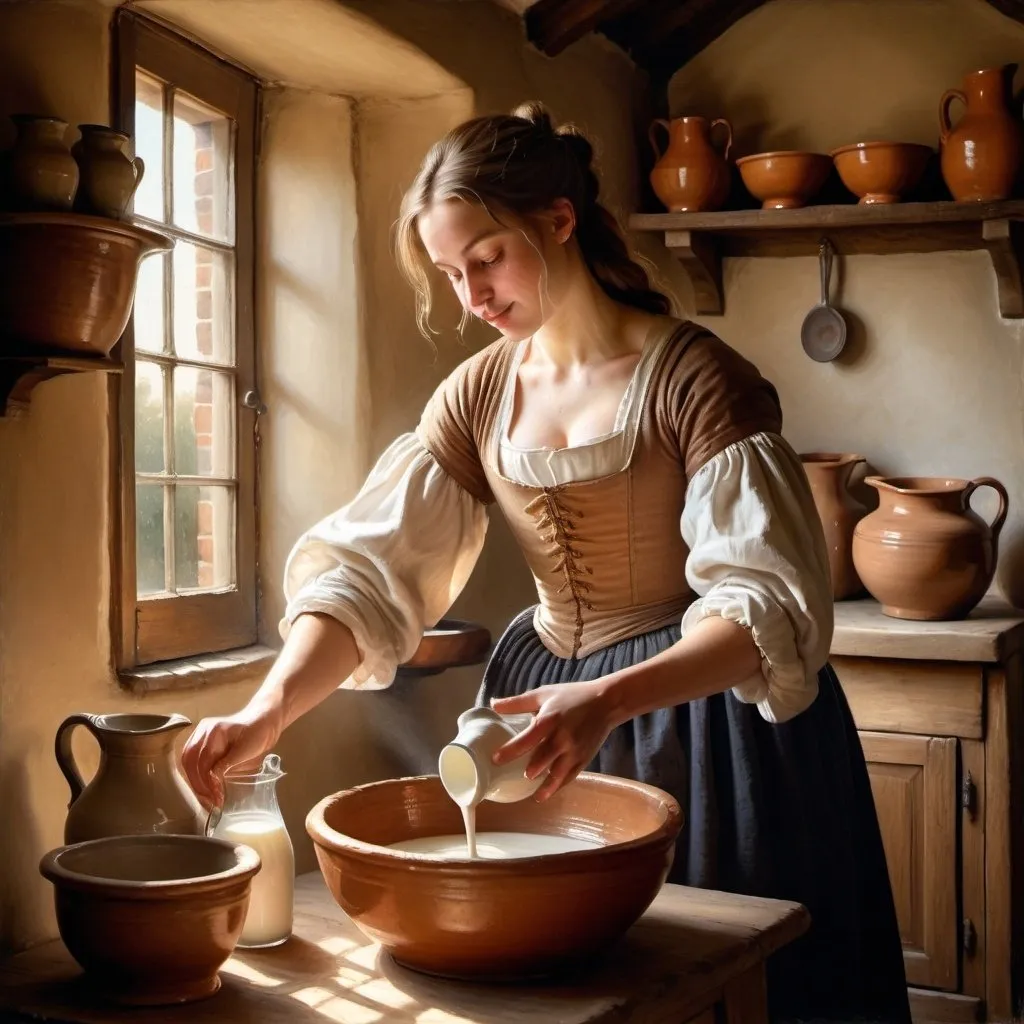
(782, 811)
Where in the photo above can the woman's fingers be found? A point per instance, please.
(563, 770)
(532, 736)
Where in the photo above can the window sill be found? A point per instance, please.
(243, 664)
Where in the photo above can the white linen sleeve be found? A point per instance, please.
(758, 557)
(391, 562)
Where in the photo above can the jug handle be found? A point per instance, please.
(654, 139)
(1004, 500)
(728, 140)
(64, 755)
(140, 169)
(945, 125)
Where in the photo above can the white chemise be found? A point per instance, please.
(391, 562)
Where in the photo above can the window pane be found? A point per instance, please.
(204, 416)
(204, 537)
(202, 169)
(203, 304)
(149, 538)
(149, 418)
(148, 312)
(149, 144)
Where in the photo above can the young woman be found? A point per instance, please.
(685, 613)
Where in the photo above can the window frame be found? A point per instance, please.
(163, 628)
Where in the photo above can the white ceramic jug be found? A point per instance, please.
(465, 766)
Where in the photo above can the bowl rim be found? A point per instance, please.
(851, 147)
(781, 152)
(149, 238)
(247, 863)
(324, 836)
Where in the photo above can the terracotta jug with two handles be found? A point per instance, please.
(691, 175)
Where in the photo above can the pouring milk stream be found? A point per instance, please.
(470, 776)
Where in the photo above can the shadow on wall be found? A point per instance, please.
(18, 851)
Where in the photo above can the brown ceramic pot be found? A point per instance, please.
(499, 919)
(41, 172)
(881, 172)
(982, 156)
(137, 787)
(691, 175)
(829, 476)
(108, 175)
(924, 553)
(68, 280)
(150, 919)
(784, 180)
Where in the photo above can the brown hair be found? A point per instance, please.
(521, 164)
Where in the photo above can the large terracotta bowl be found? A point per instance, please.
(68, 279)
(495, 919)
(881, 172)
(784, 179)
(151, 918)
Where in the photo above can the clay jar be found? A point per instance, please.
(924, 553)
(109, 177)
(42, 173)
(983, 154)
(691, 175)
(829, 476)
(137, 788)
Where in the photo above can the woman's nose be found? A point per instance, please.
(478, 291)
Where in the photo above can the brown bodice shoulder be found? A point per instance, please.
(606, 554)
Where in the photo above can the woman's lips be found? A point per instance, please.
(496, 319)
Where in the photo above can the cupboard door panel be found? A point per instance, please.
(913, 779)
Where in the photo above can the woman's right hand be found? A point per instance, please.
(220, 744)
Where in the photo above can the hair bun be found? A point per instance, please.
(537, 114)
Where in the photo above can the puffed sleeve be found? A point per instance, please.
(390, 563)
(758, 557)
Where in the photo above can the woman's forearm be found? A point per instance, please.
(715, 655)
(318, 656)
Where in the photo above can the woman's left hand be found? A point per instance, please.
(572, 721)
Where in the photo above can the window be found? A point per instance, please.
(187, 440)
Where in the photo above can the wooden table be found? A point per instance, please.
(694, 950)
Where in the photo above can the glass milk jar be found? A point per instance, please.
(251, 815)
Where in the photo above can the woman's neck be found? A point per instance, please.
(587, 327)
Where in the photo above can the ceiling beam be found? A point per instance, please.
(552, 25)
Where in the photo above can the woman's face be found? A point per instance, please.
(510, 275)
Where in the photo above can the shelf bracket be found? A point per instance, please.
(20, 374)
(703, 264)
(1001, 240)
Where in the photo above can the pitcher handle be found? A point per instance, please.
(728, 139)
(64, 755)
(1004, 500)
(654, 140)
(945, 125)
(140, 169)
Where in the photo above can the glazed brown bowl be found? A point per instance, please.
(881, 172)
(495, 919)
(69, 280)
(784, 179)
(151, 918)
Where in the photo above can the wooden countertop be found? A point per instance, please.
(689, 943)
(991, 633)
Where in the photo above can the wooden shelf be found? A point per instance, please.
(701, 240)
(19, 374)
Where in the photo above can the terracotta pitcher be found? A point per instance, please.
(829, 476)
(982, 156)
(691, 175)
(137, 788)
(924, 553)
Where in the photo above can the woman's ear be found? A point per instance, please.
(560, 218)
